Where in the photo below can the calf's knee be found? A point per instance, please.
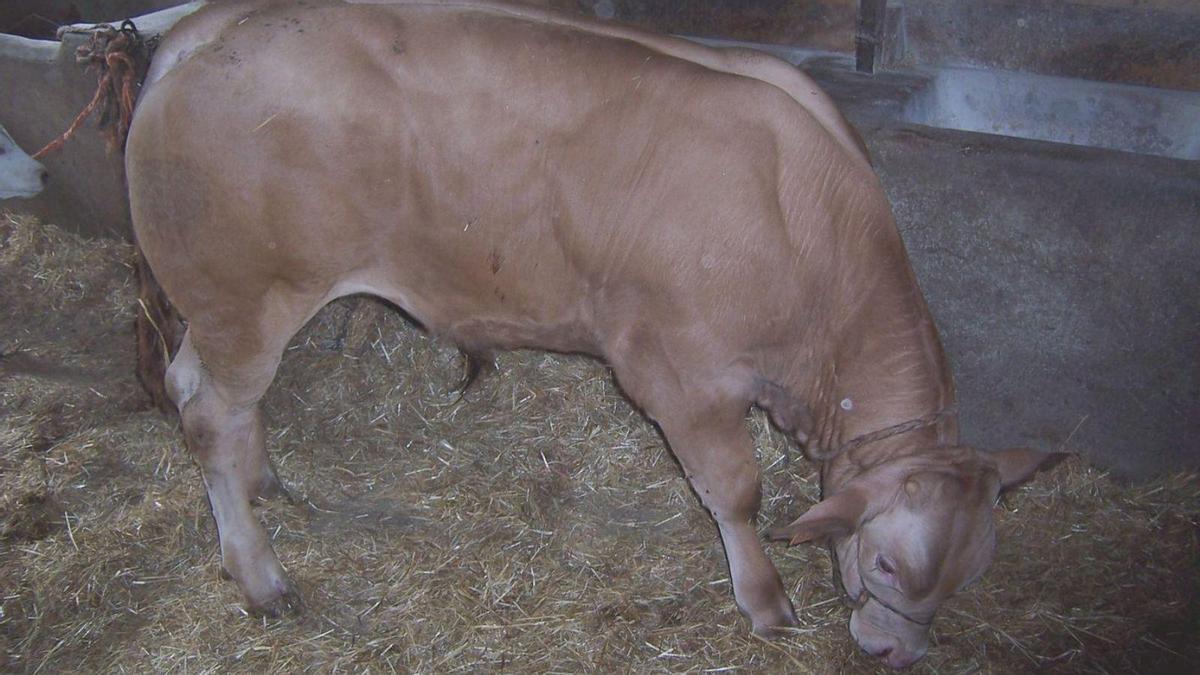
(184, 376)
(732, 494)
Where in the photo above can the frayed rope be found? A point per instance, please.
(120, 56)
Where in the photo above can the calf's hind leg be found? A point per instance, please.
(223, 428)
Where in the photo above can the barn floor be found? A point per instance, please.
(538, 525)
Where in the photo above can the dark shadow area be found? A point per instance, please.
(41, 19)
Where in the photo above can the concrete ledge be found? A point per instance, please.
(148, 24)
(26, 49)
(1140, 42)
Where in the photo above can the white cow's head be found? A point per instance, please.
(20, 174)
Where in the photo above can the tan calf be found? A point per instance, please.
(702, 220)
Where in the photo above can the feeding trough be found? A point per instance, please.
(1144, 120)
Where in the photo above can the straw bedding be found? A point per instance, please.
(536, 525)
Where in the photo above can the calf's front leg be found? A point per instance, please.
(717, 454)
(708, 435)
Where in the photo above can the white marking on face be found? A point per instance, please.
(847, 404)
(20, 175)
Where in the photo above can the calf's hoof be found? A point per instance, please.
(271, 487)
(776, 626)
(776, 630)
(773, 616)
(286, 602)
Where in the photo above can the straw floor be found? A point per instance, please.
(536, 525)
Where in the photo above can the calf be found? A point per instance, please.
(704, 221)
(21, 176)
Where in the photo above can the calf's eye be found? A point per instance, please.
(886, 566)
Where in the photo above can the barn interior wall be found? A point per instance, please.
(86, 190)
(42, 89)
(1142, 42)
(815, 24)
(40, 18)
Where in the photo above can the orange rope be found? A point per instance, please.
(116, 54)
(59, 142)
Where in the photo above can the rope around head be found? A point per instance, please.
(865, 595)
(121, 56)
(886, 432)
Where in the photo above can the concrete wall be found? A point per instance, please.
(1145, 42)
(43, 90)
(86, 190)
(814, 24)
(40, 18)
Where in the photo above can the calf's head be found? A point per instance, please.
(909, 533)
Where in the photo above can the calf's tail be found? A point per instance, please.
(159, 329)
(121, 58)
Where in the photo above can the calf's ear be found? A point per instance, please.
(1017, 465)
(833, 517)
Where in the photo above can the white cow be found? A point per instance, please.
(20, 174)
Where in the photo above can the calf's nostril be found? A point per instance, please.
(884, 653)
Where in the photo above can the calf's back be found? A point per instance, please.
(508, 182)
